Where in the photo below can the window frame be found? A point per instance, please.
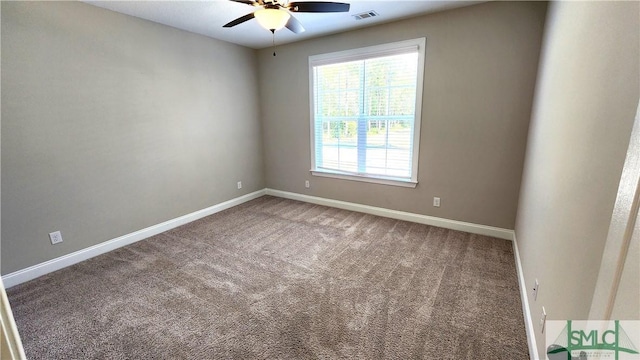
(369, 52)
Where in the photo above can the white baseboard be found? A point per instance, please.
(38, 270)
(399, 215)
(46, 267)
(440, 222)
(528, 322)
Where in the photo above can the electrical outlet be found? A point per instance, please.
(436, 201)
(306, 184)
(543, 320)
(55, 237)
(239, 184)
(536, 286)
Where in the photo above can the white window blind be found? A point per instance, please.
(365, 113)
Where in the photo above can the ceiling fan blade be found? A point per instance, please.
(248, 2)
(318, 7)
(294, 25)
(239, 20)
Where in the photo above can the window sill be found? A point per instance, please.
(369, 179)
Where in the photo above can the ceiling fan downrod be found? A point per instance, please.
(273, 34)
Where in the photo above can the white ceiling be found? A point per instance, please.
(207, 17)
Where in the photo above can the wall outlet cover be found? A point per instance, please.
(543, 320)
(55, 237)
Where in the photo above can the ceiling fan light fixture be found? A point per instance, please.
(272, 19)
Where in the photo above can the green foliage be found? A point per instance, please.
(375, 87)
(341, 130)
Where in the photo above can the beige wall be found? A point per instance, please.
(481, 64)
(586, 98)
(111, 124)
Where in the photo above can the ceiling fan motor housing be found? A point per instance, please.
(275, 20)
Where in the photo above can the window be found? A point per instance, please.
(365, 113)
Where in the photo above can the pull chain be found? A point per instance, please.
(273, 33)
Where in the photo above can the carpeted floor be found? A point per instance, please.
(281, 279)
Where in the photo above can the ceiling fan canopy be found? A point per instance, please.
(273, 15)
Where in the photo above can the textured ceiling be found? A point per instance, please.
(207, 17)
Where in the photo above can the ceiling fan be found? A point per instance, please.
(274, 15)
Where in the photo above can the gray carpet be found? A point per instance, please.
(281, 279)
